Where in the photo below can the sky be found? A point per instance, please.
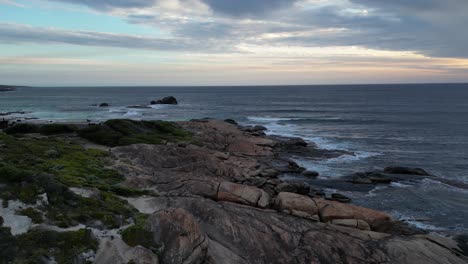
(232, 42)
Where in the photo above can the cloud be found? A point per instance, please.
(18, 33)
(247, 7)
(111, 4)
(429, 27)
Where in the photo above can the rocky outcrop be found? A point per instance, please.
(166, 100)
(104, 105)
(406, 170)
(236, 233)
(220, 201)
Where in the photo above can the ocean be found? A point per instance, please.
(420, 125)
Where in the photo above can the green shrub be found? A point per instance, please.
(137, 235)
(121, 132)
(55, 129)
(32, 213)
(22, 129)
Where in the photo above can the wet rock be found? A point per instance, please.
(310, 174)
(406, 170)
(231, 121)
(340, 198)
(294, 167)
(166, 100)
(138, 107)
(243, 194)
(104, 105)
(368, 178)
(297, 205)
(297, 142)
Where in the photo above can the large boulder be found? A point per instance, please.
(166, 100)
(297, 205)
(179, 235)
(243, 194)
(406, 170)
(331, 210)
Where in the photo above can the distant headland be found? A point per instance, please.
(8, 88)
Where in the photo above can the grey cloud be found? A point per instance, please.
(247, 7)
(17, 33)
(111, 4)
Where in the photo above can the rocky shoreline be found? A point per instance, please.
(200, 191)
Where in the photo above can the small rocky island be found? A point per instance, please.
(200, 191)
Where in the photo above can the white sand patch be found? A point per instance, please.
(19, 224)
(145, 205)
(84, 192)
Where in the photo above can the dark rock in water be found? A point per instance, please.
(340, 198)
(294, 167)
(231, 121)
(405, 170)
(310, 174)
(298, 142)
(368, 178)
(138, 106)
(104, 105)
(166, 100)
(255, 130)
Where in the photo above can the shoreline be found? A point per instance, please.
(211, 170)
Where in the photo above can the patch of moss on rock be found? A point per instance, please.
(121, 132)
(137, 235)
(42, 246)
(35, 215)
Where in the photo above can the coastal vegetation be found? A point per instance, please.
(121, 132)
(42, 246)
(41, 164)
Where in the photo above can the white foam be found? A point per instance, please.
(268, 119)
(400, 185)
(132, 113)
(373, 192)
(158, 106)
(358, 155)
